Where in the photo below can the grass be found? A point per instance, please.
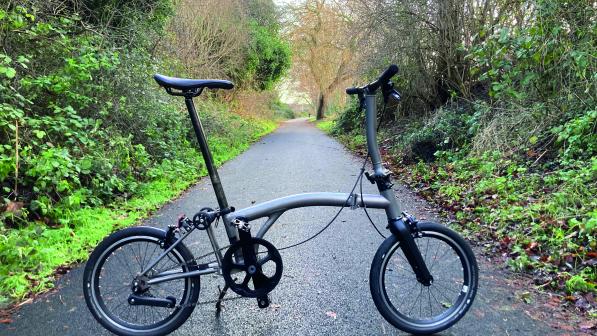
(353, 141)
(31, 255)
(325, 125)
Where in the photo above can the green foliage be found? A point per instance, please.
(578, 283)
(513, 154)
(350, 119)
(578, 137)
(88, 142)
(268, 57)
(545, 221)
(282, 110)
(546, 59)
(537, 209)
(540, 75)
(326, 126)
(29, 255)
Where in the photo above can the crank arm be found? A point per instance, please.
(140, 300)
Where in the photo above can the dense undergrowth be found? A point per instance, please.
(88, 142)
(512, 154)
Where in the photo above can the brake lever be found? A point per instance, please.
(396, 95)
(387, 90)
(361, 101)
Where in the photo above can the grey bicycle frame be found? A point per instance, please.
(275, 208)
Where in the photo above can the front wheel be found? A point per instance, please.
(408, 304)
(109, 276)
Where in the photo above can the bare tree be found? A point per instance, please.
(208, 37)
(428, 39)
(324, 49)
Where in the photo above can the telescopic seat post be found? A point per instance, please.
(209, 163)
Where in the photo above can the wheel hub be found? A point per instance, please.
(139, 284)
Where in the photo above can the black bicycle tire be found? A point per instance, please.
(379, 294)
(112, 240)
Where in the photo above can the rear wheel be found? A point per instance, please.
(413, 307)
(109, 276)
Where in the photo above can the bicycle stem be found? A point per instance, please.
(380, 175)
(371, 131)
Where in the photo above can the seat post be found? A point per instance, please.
(209, 163)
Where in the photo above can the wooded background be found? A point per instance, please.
(90, 143)
(497, 122)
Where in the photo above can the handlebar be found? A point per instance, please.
(371, 87)
(353, 90)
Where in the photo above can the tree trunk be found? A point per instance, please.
(450, 64)
(321, 106)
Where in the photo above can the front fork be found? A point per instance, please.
(405, 228)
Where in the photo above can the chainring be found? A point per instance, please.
(256, 271)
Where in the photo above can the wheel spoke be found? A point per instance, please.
(404, 269)
(443, 255)
(444, 287)
(436, 303)
(117, 290)
(135, 257)
(429, 297)
(112, 287)
(124, 263)
(414, 302)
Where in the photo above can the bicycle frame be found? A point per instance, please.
(273, 209)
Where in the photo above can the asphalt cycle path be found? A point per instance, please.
(325, 285)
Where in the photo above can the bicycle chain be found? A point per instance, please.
(186, 263)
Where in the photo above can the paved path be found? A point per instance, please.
(329, 274)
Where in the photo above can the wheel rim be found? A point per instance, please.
(427, 306)
(110, 300)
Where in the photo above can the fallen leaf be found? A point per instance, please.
(331, 314)
(14, 207)
(6, 321)
(587, 325)
(524, 296)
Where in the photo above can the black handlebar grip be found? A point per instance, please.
(384, 77)
(388, 74)
(353, 90)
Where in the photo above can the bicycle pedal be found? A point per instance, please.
(263, 302)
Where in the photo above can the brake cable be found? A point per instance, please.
(359, 181)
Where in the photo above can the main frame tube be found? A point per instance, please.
(283, 204)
